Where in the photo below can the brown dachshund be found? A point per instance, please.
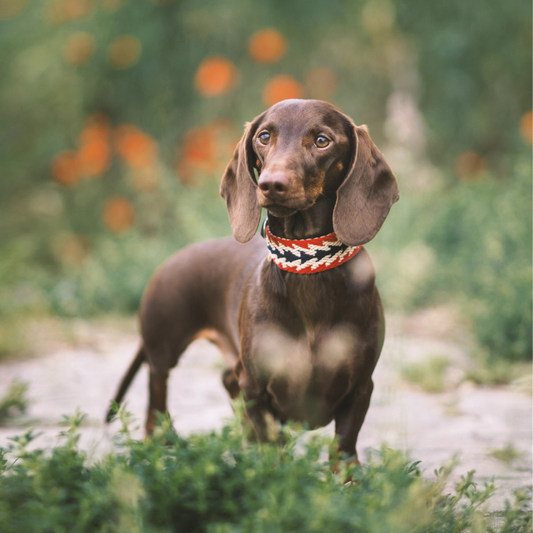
(300, 322)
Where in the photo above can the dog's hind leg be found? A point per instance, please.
(161, 359)
(158, 398)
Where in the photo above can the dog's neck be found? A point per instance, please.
(313, 222)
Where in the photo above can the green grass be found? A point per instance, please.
(507, 454)
(218, 482)
(429, 375)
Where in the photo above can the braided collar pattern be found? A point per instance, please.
(308, 256)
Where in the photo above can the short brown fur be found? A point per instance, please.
(300, 347)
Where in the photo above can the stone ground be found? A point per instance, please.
(467, 420)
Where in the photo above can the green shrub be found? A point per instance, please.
(218, 482)
(470, 243)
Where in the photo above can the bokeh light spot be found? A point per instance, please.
(137, 148)
(71, 249)
(280, 88)
(11, 8)
(66, 168)
(526, 127)
(118, 214)
(206, 151)
(79, 48)
(124, 51)
(96, 129)
(469, 166)
(95, 154)
(94, 158)
(267, 46)
(321, 83)
(215, 75)
(60, 11)
(145, 179)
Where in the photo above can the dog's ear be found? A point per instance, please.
(238, 187)
(367, 193)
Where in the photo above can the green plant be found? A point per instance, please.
(472, 244)
(218, 482)
(508, 454)
(498, 372)
(14, 403)
(429, 375)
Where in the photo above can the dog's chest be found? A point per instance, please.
(306, 377)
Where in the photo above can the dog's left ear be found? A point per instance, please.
(367, 193)
(239, 187)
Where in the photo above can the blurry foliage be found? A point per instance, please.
(118, 118)
(474, 242)
(429, 375)
(14, 402)
(507, 454)
(218, 482)
(474, 59)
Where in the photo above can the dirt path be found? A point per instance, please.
(469, 420)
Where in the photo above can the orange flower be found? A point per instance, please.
(94, 158)
(66, 168)
(281, 88)
(60, 11)
(124, 51)
(321, 83)
(75, 9)
(137, 148)
(79, 48)
(197, 154)
(526, 126)
(96, 129)
(469, 166)
(94, 154)
(118, 214)
(267, 46)
(206, 151)
(215, 75)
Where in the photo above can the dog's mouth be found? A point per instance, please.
(287, 206)
(280, 211)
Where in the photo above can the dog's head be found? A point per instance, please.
(300, 150)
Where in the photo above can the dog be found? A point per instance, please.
(297, 314)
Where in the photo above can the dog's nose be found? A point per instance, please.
(274, 184)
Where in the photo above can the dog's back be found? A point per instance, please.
(197, 292)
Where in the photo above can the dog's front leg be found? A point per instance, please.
(350, 417)
(257, 409)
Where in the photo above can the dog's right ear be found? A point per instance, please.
(238, 187)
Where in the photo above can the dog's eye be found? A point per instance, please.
(321, 141)
(264, 137)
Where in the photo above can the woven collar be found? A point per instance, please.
(308, 256)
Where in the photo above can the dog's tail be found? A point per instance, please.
(125, 383)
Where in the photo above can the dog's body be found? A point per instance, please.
(299, 346)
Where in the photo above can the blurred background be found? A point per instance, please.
(119, 116)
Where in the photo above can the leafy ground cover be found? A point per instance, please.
(219, 482)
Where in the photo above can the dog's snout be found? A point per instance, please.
(273, 184)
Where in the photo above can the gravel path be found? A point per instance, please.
(469, 420)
